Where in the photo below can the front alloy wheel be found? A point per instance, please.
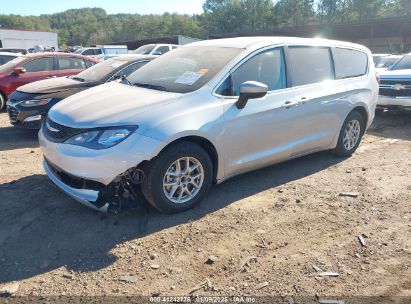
(183, 180)
(178, 178)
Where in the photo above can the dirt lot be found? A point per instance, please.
(271, 232)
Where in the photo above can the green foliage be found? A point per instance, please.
(93, 25)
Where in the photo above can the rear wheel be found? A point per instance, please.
(2, 101)
(179, 178)
(350, 135)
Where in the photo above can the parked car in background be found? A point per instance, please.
(28, 106)
(386, 62)
(103, 51)
(34, 67)
(206, 112)
(7, 56)
(17, 51)
(155, 49)
(395, 86)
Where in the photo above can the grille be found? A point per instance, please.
(394, 82)
(58, 133)
(395, 93)
(13, 113)
(395, 88)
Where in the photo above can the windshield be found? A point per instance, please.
(11, 64)
(78, 51)
(386, 62)
(183, 70)
(402, 64)
(100, 71)
(145, 49)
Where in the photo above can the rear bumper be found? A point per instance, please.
(388, 101)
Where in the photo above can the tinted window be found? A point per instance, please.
(130, 69)
(267, 67)
(307, 65)
(88, 52)
(161, 50)
(4, 59)
(39, 65)
(350, 63)
(97, 52)
(70, 63)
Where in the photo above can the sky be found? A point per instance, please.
(38, 7)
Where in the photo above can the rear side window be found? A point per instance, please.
(70, 63)
(267, 67)
(40, 65)
(162, 50)
(88, 52)
(308, 65)
(350, 63)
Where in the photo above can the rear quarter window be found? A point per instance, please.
(349, 63)
(308, 65)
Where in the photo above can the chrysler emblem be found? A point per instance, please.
(398, 87)
(50, 128)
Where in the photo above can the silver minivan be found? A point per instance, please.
(204, 113)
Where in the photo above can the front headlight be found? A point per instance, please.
(35, 102)
(101, 138)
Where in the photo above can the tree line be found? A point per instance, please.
(93, 25)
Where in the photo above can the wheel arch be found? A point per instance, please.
(204, 143)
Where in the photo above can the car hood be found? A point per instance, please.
(52, 85)
(397, 74)
(110, 104)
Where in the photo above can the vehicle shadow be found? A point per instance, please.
(12, 138)
(42, 229)
(392, 124)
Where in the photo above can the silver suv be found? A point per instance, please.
(204, 113)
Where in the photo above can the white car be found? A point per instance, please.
(395, 86)
(155, 49)
(206, 112)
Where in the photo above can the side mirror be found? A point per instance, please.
(19, 70)
(250, 90)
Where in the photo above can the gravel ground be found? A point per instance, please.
(272, 232)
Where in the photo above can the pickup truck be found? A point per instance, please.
(103, 51)
(395, 86)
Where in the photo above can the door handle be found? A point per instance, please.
(289, 104)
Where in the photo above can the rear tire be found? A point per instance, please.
(351, 134)
(178, 178)
(2, 102)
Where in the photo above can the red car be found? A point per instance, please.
(33, 67)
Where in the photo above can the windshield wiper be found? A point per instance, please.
(151, 86)
(78, 79)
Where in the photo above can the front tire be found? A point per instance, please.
(351, 134)
(178, 178)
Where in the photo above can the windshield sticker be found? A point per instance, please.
(117, 64)
(188, 78)
(202, 71)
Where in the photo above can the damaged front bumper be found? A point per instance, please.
(112, 198)
(86, 197)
